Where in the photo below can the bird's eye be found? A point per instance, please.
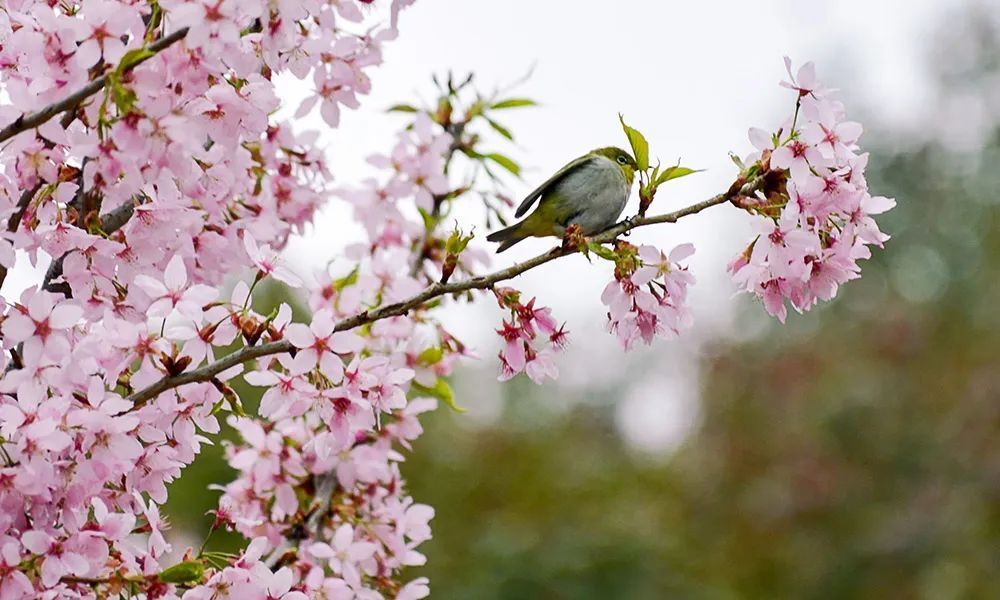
(622, 160)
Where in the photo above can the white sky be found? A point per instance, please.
(693, 76)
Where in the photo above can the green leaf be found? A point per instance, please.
(402, 108)
(429, 220)
(346, 281)
(500, 129)
(674, 173)
(602, 251)
(431, 356)
(640, 147)
(736, 161)
(457, 242)
(189, 571)
(505, 162)
(513, 103)
(442, 391)
(132, 58)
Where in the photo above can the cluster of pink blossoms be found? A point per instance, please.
(648, 296)
(143, 195)
(145, 191)
(531, 338)
(812, 233)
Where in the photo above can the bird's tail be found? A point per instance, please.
(507, 236)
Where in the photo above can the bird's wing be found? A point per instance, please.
(540, 190)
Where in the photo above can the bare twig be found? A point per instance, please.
(326, 483)
(207, 372)
(15, 219)
(110, 222)
(30, 121)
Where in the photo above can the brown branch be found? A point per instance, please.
(110, 222)
(95, 581)
(455, 130)
(15, 219)
(30, 121)
(207, 372)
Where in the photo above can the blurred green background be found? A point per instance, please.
(853, 453)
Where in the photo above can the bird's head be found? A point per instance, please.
(621, 158)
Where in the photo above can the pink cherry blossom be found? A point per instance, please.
(322, 346)
(174, 293)
(651, 301)
(805, 249)
(40, 322)
(180, 176)
(530, 338)
(268, 263)
(105, 24)
(344, 554)
(57, 560)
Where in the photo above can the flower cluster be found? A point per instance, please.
(530, 337)
(159, 171)
(144, 195)
(817, 221)
(648, 296)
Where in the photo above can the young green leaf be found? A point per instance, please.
(346, 281)
(457, 242)
(505, 162)
(442, 391)
(189, 571)
(640, 147)
(602, 251)
(675, 173)
(431, 356)
(500, 129)
(513, 103)
(132, 58)
(402, 108)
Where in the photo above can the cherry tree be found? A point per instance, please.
(141, 157)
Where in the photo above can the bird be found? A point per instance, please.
(590, 191)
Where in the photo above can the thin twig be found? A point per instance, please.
(207, 372)
(30, 121)
(455, 130)
(110, 222)
(15, 219)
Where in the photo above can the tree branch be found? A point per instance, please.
(15, 219)
(110, 222)
(30, 121)
(207, 372)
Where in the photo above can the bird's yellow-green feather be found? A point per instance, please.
(554, 210)
(542, 222)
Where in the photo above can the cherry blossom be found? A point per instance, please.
(268, 262)
(174, 293)
(650, 301)
(172, 177)
(815, 226)
(40, 322)
(530, 338)
(322, 346)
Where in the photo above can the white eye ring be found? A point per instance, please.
(621, 160)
